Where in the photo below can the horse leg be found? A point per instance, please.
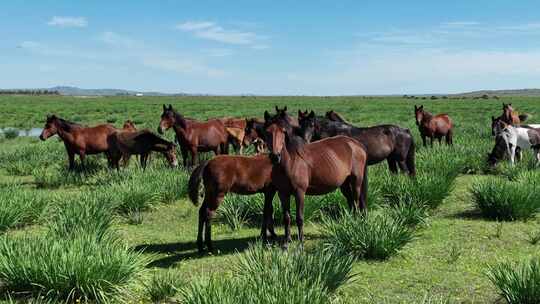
(268, 221)
(184, 156)
(513, 154)
(392, 165)
(439, 138)
(359, 186)
(193, 156)
(424, 140)
(537, 152)
(431, 141)
(71, 159)
(286, 207)
(144, 158)
(82, 156)
(210, 212)
(202, 221)
(347, 192)
(448, 138)
(299, 198)
(518, 154)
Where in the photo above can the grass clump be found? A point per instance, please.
(503, 200)
(163, 286)
(20, 206)
(372, 236)
(275, 276)
(517, 282)
(11, 133)
(83, 267)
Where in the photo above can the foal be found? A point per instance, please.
(236, 174)
(125, 144)
(433, 126)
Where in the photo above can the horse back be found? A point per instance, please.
(239, 174)
(208, 134)
(93, 139)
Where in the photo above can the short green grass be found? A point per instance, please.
(447, 260)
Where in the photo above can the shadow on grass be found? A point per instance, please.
(188, 250)
(471, 214)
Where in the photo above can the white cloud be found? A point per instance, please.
(181, 66)
(68, 21)
(28, 45)
(116, 39)
(212, 31)
(218, 52)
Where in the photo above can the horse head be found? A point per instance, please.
(50, 128)
(419, 114)
(169, 118)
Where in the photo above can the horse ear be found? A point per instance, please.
(415, 107)
(311, 114)
(277, 109)
(421, 107)
(300, 114)
(493, 118)
(170, 106)
(164, 107)
(285, 109)
(267, 116)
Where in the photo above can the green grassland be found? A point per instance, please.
(446, 262)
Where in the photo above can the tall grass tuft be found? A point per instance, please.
(80, 268)
(163, 286)
(504, 200)
(517, 282)
(374, 236)
(20, 206)
(275, 276)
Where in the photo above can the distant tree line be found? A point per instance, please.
(29, 92)
(433, 97)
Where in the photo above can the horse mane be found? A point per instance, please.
(66, 124)
(335, 116)
(180, 119)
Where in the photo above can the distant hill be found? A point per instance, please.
(500, 93)
(74, 91)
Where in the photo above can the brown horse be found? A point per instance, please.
(508, 116)
(127, 143)
(433, 126)
(194, 136)
(78, 139)
(334, 116)
(314, 169)
(236, 174)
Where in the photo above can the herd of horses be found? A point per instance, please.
(306, 155)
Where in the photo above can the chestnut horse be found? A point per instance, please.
(194, 136)
(314, 169)
(126, 143)
(236, 174)
(509, 116)
(78, 139)
(390, 142)
(433, 126)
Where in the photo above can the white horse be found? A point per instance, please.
(522, 138)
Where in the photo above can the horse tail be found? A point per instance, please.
(523, 117)
(195, 181)
(410, 160)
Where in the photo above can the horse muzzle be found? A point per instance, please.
(42, 137)
(275, 158)
(160, 130)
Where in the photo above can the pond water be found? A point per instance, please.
(34, 132)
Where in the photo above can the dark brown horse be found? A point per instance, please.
(390, 142)
(282, 114)
(433, 126)
(314, 169)
(254, 134)
(143, 142)
(194, 136)
(236, 174)
(335, 116)
(78, 139)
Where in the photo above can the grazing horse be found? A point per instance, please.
(511, 141)
(390, 142)
(230, 173)
(78, 139)
(314, 169)
(126, 143)
(194, 136)
(433, 126)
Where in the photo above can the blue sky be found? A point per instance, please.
(272, 47)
